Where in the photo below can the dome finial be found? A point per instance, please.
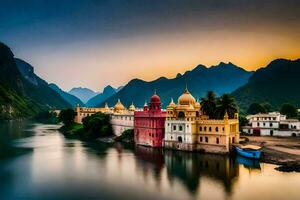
(186, 88)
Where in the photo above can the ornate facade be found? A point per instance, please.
(149, 124)
(187, 128)
(121, 118)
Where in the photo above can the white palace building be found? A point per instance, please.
(121, 117)
(271, 124)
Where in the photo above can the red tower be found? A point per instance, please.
(149, 124)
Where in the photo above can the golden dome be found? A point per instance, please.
(171, 104)
(186, 98)
(197, 104)
(131, 107)
(119, 106)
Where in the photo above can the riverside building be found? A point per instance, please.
(121, 117)
(149, 124)
(187, 128)
(271, 124)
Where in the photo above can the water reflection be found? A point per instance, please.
(59, 168)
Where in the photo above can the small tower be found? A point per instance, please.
(146, 106)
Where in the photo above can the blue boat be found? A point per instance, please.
(249, 151)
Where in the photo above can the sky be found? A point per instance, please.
(94, 43)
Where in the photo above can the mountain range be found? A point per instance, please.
(277, 83)
(108, 91)
(22, 93)
(71, 99)
(222, 78)
(84, 94)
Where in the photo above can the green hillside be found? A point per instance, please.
(19, 95)
(277, 83)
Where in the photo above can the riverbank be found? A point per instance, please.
(283, 151)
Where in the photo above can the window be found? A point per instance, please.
(179, 139)
(209, 129)
(258, 124)
(200, 139)
(223, 129)
(264, 124)
(174, 128)
(204, 128)
(217, 129)
(200, 129)
(271, 124)
(217, 141)
(206, 139)
(180, 128)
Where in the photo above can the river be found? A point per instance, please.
(37, 162)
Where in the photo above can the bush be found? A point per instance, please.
(67, 116)
(127, 136)
(97, 125)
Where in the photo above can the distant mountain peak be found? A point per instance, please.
(84, 94)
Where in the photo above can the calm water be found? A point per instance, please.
(48, 166)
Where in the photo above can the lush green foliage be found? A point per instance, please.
(127, 136)
(97, 125)
(67, 116)
(255, 108)
(289, 110)
(209, 104)
(216, 107)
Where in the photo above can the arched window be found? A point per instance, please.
(209, 129)
(180, 128)
(200, 129)
(204, 128)
(200, 139)
(206, 139)
(181, 114)
(217, 141)
(217, 129)
(179, 139)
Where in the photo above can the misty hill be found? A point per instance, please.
(277, 83)
(22, 93)
(71, 99)
(223, 78)
(84, 94)
(108, 91)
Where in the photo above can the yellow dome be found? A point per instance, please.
(186, 98)
(119, 106)
(171, 104)
(132, 107)
(197, 104)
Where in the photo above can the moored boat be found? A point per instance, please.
(249, 151)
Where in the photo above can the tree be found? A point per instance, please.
(267, 106)
(255, 108)
(226, 103)
(209, 104)
(97, 125)
(67, 116)
(289, 110)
